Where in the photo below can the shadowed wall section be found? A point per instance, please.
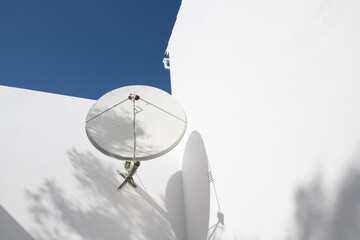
(10, 229)
(196, 188)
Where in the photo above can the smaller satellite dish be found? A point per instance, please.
(135, 123)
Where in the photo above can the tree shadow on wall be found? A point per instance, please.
(321, 218)
(98, 211)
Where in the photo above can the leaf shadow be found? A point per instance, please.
(97, 210)
(319, 217)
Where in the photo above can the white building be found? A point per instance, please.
(271, 92)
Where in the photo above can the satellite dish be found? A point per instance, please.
(135, 123)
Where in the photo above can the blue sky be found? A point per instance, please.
(84, 48)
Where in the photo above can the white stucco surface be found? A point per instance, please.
(55, 185)
(273, 89)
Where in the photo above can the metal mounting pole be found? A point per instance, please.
(129, 176)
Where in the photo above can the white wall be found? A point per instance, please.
(55, 185)
(273, 89)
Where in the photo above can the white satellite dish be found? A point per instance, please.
(135, 123)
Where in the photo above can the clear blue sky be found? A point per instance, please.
(84, 48)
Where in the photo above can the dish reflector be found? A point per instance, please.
(157, 118)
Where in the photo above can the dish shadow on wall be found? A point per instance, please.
(196, 187)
